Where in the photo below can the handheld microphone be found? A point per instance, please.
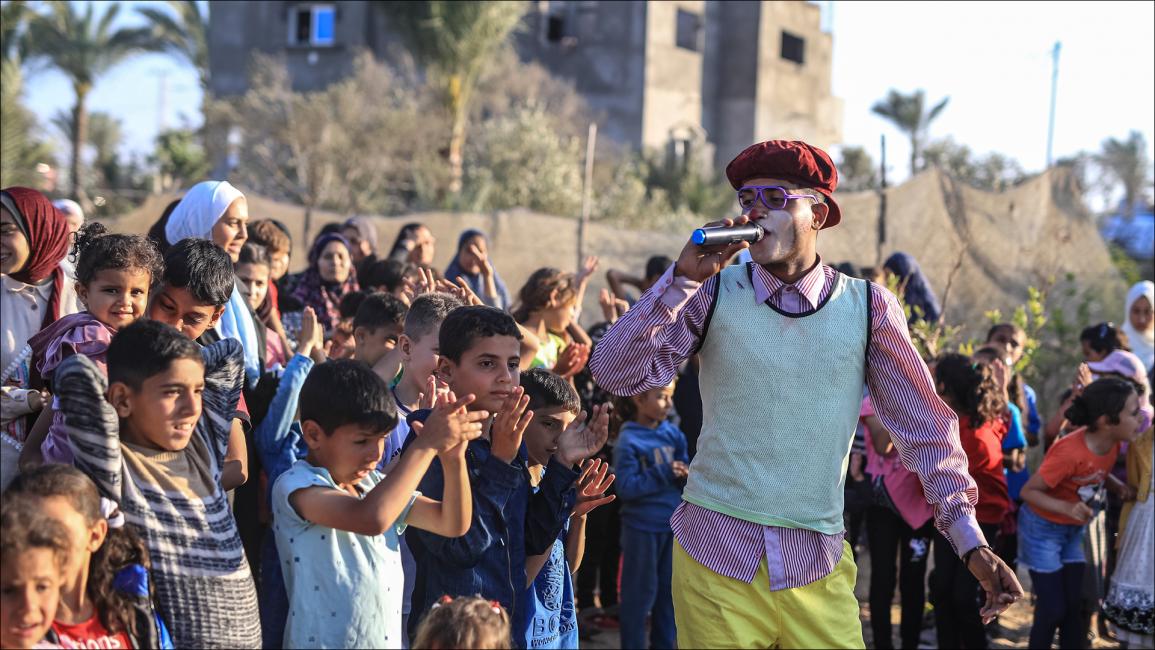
(722, 236)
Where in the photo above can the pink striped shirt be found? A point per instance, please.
(645, 347)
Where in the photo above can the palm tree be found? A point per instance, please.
(83, 46)
(909, 114)
(105, 134)
(1125, 163)
(182, 33)
(455, 42)
(13, 20)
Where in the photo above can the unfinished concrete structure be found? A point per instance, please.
(666, 75)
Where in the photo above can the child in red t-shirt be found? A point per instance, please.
(1064, 495)
(972, 392)
(104, 601)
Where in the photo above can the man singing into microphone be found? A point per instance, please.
(786, 344)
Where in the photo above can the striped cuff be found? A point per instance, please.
(965, 534)
(675, 291)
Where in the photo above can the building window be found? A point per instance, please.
(793, 48)
(555, 28)
(689, 31)
(312, 25)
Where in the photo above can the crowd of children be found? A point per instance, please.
(201, 449)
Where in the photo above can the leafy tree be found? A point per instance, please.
(83, 46)
(179, 159)
(994, 172)
(857, 171)
(454, 42)
(520, 160)
(105, 137)
(14, 17)
(1125, 165)
(183, 33)
(911, 116)
(21, 148)
(352, 147)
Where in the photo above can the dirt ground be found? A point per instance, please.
(1016, 621)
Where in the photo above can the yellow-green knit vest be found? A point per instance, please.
(780, 398)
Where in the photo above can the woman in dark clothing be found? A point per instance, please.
(472, 263)
(914, 288)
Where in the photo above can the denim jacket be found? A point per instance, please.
(509, 523)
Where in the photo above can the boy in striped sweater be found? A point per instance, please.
(157, 446)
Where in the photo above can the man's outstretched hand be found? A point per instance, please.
(998, 581)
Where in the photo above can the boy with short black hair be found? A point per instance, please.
(548, 601)
(334, 509)
(480, 352)
(377, 325)
(157, 446)
(198, 281)
(388, 276)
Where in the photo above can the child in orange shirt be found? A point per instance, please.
(1064, 495)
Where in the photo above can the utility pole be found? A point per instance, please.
(587, 189)
(161, 105)
(161, 98)
(1054, 91)
(881, 203)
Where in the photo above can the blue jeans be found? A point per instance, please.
(273, 597)
(647, 568)
(1045, 546)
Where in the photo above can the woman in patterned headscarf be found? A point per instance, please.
(329, 278)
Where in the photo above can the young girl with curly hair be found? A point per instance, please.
(114, 275)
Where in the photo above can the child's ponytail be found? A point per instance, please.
(86, 237)
(1105, 338)
(96, 250)
(1104, 397)
(538, 289)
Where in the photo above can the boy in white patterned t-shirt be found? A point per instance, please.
(337, 519)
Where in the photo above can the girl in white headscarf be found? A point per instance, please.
(1139, 322)
(217, 211)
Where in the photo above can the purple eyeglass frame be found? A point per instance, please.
(759, 196)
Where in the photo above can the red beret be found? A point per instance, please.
(790, 160)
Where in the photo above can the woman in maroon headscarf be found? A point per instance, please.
(35, 292)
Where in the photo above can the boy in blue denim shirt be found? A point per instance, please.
(548, 601)
(480, 355)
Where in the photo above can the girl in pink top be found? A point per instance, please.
(899, 527)
(114, 274)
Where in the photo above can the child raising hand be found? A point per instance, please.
(335, 510)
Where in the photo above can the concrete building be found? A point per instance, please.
(666, 75)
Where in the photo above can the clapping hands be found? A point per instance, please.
(450, 426)
(595, 479)
(585, 436)
(509, 425)
(571, 360)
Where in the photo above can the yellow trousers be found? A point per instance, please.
(713, 611)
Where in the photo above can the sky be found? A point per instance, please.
(993, 59)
